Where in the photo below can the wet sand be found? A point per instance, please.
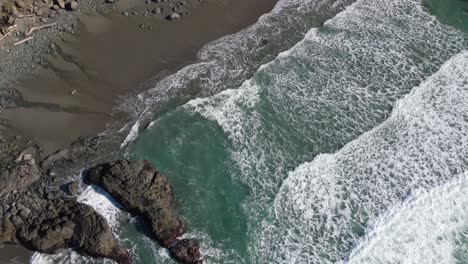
(14, 255)
(112, 56)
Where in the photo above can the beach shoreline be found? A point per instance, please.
(68, 96)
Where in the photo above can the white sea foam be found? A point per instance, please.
(324, 206)
(430, 227)
(337, 83)
(225, 63)
(340, 81)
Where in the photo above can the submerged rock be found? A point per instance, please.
(145, 192)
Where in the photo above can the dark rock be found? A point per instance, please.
(68, 224)
(144, 192)
(186, 251)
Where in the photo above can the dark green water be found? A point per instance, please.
(451, 12)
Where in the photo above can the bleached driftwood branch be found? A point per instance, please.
(31, 30)
(23, 41)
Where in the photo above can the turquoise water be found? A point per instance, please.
(296, 163)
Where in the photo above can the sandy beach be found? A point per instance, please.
(112, 56)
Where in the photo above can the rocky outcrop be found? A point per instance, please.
(69, 224)
(145, 192)
(20, 173)
(36, 214)
(48, 225)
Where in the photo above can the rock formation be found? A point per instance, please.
(35, 214)
(146, 193)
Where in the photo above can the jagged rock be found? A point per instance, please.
(145, 192)
(69, 224)
(186, 251)
(18, 176)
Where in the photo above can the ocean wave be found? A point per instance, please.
(340, 81)
(337, 83)
(325, 206)
(429, 227)
(225, 63)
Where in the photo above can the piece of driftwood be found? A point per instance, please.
(31, 30)
(8, 33)
(23, 41)
(21, 16)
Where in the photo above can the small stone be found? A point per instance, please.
(20, 3)
(73, 92)
(125, 13)
(73, 5)
(24, 213)
(73, 188)
(173, 17)
(157, 11)
(27, 157)
(110, 1)
(55, 7)
(142, 26)
(39, 12)
(13, 211)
